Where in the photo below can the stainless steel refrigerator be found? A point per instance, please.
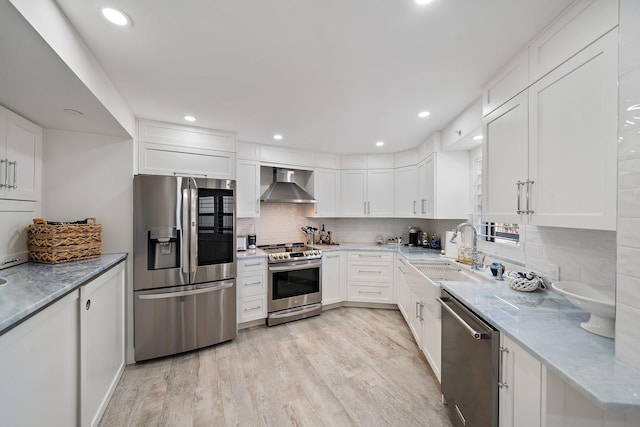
(184, 263)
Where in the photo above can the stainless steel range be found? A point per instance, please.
(295, 290)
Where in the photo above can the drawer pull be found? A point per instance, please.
(257, 307)
(370, 256)
(333, 256)
(251, 265)
(370, 292)
(370, 271)
(252, 284)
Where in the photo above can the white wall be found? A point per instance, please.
(89, 175)
(628, 272)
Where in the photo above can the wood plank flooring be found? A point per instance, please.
(347, 367)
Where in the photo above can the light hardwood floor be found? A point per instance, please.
(347, 367)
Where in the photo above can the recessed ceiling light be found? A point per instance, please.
(379, 143)
(477, 138)
(116, 17)
(423, 114)
(422, 2)
(277, 137)
(190, 118)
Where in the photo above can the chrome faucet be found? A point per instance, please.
(474, 254)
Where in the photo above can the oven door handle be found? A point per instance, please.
(291, 267)
(475, 334)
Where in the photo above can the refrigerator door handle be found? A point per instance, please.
(193, 228)
(200, 290)
(184, 232)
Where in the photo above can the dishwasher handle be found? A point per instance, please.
(475, 334)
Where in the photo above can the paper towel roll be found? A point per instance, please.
(451, 249)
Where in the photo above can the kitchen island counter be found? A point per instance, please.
(31, 287)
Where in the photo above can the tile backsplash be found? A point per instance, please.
(282, 223)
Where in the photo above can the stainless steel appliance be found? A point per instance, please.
(295, 290)
(184, 264)
(470, 365)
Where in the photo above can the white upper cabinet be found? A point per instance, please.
(326, 190)
(444, 185)
(248, 188)
(247, 150)
(172, 149)
(406, 192)
(550, 154)
(573, 140)
(353, 191)
(504, 161)
(20, 158)
(582, 24)
(512, 79)
(367, 193)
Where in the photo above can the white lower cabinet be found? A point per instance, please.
(252, 289)
(370, 277)
(39, 368)
(417, 303)
(334, 278)
(102, 342)
(520, 386)
(60, 366)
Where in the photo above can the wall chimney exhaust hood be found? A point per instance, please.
(284, 190)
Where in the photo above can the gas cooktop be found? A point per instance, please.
(286, 252)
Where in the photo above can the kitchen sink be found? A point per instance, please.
(445, 271)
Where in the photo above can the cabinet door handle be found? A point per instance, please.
(400, 268)
(423, 203)
(421, 306)
(529, 182)
(417, 310)
(414, 207)
(365, 208)
(518, 195)
(502, 383)
(87, 305)
(6, 172)
(15, 174)
(258, 206)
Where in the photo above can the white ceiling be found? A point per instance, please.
(330, 75)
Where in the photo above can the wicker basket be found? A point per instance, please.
(524, 284)
(54, 243)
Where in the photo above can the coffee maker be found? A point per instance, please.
(415, 236)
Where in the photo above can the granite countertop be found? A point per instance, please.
(31, 286)
(547, 325)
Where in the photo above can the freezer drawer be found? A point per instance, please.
(182, 318)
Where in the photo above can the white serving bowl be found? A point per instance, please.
(600, 301)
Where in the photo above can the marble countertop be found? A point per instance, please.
(412, 253)
(251, 253)
(547, 325)
(31, 286)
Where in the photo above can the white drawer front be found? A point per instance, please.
(371, 256)
(252, 308)
(251, 284)
(252, 264)
(370, 293)
(370, 272)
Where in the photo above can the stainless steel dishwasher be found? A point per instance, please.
(470, 365)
